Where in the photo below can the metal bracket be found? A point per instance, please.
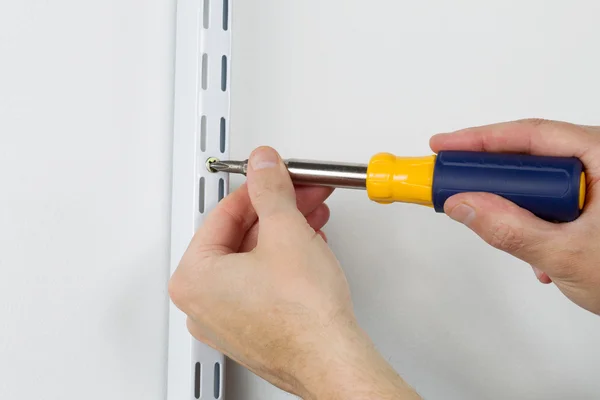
(201, 131)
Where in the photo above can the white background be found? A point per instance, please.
(85, 158)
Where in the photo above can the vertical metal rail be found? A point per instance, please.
(201, 131)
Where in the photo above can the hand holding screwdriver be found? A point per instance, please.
(242, 295)
(553, 188)
(277, 301)
(508, 182)
(566, 254)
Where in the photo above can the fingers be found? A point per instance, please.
(308, 200)
(506, 226)
(319, 217)
(310, 197)
(541, 275)
(230, 227)
(536, 137)
(269, 184)
(226, 226)
(323, 235)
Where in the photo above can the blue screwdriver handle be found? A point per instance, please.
(552, 188)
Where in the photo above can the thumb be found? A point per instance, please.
(270, 187)
(506, 226)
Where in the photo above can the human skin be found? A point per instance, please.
(259, 283)
(567, 254)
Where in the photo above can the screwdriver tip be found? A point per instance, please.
(234, 167)
(219, 166)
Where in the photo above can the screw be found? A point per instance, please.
(209, 162)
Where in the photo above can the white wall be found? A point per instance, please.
(344, 79)
(85, 155)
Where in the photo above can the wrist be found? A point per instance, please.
(350, 368)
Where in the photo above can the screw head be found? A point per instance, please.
(209, 162)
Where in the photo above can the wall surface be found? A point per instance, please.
(344, 79)
(85, 162)
(85, 172)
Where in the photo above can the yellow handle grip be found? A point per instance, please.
(393, 179)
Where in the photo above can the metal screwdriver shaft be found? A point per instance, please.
(319, 173)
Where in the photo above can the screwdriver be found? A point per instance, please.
(552, 188)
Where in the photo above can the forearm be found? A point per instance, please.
(355, 370)
(371, 379)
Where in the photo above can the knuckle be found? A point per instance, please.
(556, 124)
(183, 284)
(506, 237)
(275, 186)
(595, 131)
(536, 121)
(261, 196)
(270, 188)
(177, 290)
(283, 224)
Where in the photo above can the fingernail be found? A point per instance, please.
(542, 276)
(264, 158)
(463, 213)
